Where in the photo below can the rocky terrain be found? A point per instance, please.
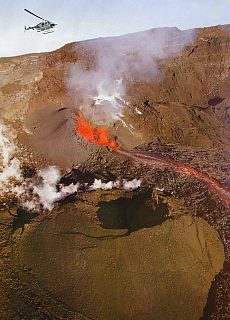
(144, 240)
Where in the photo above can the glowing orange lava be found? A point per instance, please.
(95, 135)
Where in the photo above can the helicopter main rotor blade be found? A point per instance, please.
(33, 14)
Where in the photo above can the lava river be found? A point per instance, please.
(154, 160)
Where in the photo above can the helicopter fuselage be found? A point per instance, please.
(42, 26)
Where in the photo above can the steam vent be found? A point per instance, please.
(114, 179)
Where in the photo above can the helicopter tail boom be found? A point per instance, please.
(27, 28)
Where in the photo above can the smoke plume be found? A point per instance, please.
(49, 190)
(10, 172)
(99, 84)
(118, 184)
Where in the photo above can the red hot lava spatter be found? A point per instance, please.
(95, 135)
(154, 160)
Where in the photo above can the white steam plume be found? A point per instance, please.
(42, 191)
(49, 190)
(118, 184)
(131, 185)
(10, 172)
(100, 90)
(46, 191)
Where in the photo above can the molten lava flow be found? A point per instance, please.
(155, 160)
(95, 135)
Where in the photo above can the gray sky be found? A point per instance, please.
(85, 19)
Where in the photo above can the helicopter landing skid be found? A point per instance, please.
(47, 32)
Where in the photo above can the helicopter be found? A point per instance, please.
(45, 26)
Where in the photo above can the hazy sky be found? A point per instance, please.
(85, 19)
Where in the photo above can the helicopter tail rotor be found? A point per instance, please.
(27, 28)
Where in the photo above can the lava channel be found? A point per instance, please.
(154, 160)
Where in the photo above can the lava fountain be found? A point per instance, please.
(94, 135)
